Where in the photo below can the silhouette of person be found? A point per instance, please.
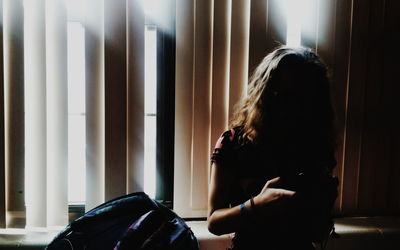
(280, 142)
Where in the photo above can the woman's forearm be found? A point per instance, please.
(228, 220)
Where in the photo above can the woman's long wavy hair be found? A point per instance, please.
(251, 114)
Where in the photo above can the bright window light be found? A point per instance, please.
(296, 12)
(76, 114)
(150, 119)
(293, 20)
(76, 9)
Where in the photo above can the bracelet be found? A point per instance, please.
(242, 207)
(253, 207)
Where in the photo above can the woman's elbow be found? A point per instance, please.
(213, 227)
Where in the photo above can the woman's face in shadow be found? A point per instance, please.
(290, 101)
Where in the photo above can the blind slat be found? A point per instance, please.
(258, 33)
(2, 131)
(276, 24)
(239, 63)
(355, 108)
(135, 136)
(339, 91)
(94, 73)
(310, 23)
(14, 106)
(201, 104)
(220, 69)
(57, 113)
(35, 108)
(183, 105)
(115, 89)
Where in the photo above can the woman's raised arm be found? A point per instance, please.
(222, 218)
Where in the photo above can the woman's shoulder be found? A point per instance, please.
(228, 137)
(225, 144)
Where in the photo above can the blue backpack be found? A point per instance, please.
(133, 221)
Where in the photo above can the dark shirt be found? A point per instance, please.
(253, 165)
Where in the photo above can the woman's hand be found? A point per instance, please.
(271, 198)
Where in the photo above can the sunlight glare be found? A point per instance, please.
(296, 12)
(156, 14)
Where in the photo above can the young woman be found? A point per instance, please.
(268, 170)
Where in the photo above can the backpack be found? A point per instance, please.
(154, 231)
(133, 221)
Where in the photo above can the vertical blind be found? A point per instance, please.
(35, 113)
(94, 74)
(2, 129)
(57, 113)
(371, 156)
(35, 167)
(14, 131)
(202, 72)
(219, 43)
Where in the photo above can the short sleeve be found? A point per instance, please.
(223, 148)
